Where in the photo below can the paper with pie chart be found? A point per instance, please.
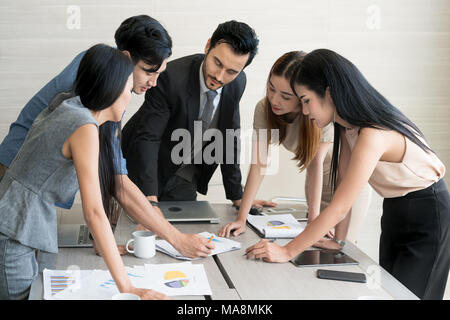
(276, 226)
(179, 279)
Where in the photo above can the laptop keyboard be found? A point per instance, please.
(83, 235)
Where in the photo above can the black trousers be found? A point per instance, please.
(415, 240)
(178, 189)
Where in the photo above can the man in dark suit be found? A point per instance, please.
(194, 94)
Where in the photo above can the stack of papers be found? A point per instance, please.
(221, 245)
(276, 226)
(171, 279)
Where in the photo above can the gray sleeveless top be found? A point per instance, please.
(40, 175)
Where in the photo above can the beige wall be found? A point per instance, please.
(403, 47)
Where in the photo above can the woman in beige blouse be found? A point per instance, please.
(281, 110)
(375, 142)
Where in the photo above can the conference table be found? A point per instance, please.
(234, 277)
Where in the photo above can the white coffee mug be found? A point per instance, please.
(144, 244)
(125, 296)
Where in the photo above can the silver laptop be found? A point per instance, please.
(72, 229)
(188, 211)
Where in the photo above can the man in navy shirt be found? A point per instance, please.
(145, 41)
(142, 38)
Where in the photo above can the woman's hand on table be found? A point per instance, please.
(236, 228)
(268, 251)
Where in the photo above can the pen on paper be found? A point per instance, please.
(210, 239)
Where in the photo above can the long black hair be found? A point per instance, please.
(356, 101)
(101, 78)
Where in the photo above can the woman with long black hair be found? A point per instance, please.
(280, 110)
(69, 147)
(375, 142)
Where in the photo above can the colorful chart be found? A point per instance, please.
(134, 275)
(59, 283)
(177, 283)
(111, 283)
(108, 284)
(213, 239)
(169, 275)
(180, 283)
(275, 224)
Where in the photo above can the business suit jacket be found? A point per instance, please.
(172, 104)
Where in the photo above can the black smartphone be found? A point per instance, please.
(341, 275)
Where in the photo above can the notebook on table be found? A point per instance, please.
(276, 226)
(221, 245)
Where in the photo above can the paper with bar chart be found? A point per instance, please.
(276, 226)
(172, 279)
(90, 284)
(56, 281)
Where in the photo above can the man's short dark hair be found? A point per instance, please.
(145, 39)
(240, 36)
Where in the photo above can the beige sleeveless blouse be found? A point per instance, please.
(418, 170)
